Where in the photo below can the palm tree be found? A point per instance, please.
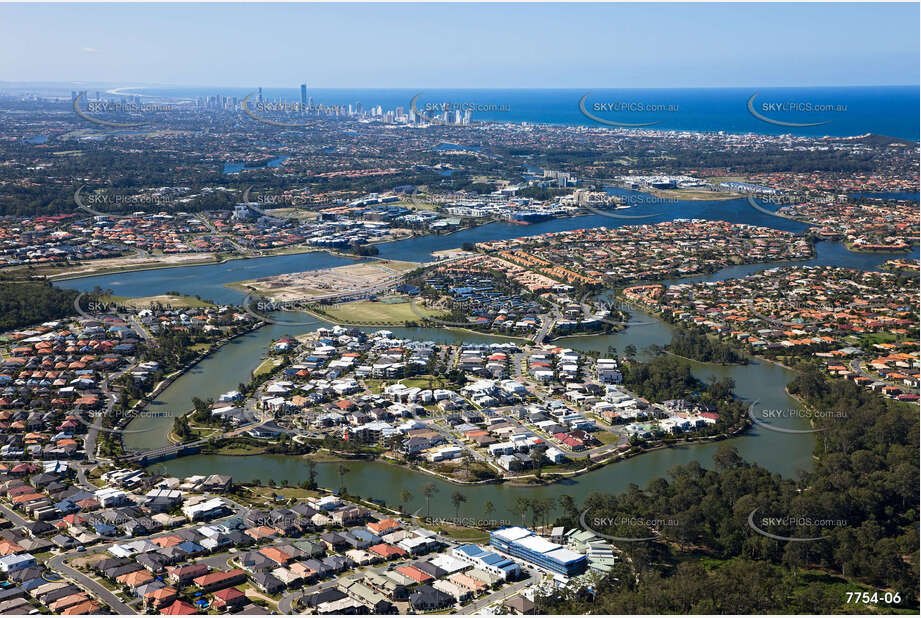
(342, 469)
(522, 506)
(429, 490)
(457, 498)
(549, 504)
(405, 496)
(488, 508)
(538, 452)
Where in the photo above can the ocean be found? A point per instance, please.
(843, 111)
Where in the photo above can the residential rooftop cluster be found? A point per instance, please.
(184, 546)
(57, 378)
(865, 227)
(643, 252)
(849, 318)
(474, 292)
(399, 396)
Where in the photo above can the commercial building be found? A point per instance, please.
(487, 561)
(522, 543)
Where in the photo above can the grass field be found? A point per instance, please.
(719, 179)
(375, 312)
(694, 194)
(606, 437)
(423, 382)
(267, 366)
(172, 300)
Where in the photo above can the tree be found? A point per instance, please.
(342, 469)
(405, 497)
(457, 498)
(311, 474)
(568, 505)
(488, 508)
(727, 457)
(538, 456)
(522, 506)
(429, 490)
(630, 351)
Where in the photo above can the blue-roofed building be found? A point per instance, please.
(66, 507)
(524, 544)
(105, 529)
(405, 288)
(489, 561)
(32, 584)
(192, 548)
(366, 535)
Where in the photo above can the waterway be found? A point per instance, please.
(783, 453)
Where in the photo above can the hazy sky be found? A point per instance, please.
(462, 45)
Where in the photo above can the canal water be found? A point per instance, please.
(783, 453)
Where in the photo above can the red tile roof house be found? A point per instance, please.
(184, 575)
(411, 571)
(384, 526)
(179, 608)
(276, 555)
(219, 579)
(388, 552)
(229, 598)
(160, 598)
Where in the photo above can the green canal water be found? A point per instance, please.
(783, 453)
(786, 454)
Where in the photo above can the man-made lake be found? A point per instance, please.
(783, 453)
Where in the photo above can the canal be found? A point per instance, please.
(783, 453)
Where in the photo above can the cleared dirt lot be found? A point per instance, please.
(316, 284)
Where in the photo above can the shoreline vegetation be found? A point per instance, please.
(231, 446)
(161, 386)
(160, 262)
(548, 478)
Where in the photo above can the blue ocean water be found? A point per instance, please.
(845, 111)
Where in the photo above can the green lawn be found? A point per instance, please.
(374, 312)
(267, 366)
(606, 437)
(425, 381)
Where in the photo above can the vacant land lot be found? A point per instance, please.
(119, 264)
(376, 312)
(165, 300)
(317, 284)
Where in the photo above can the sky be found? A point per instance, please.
(462, 45)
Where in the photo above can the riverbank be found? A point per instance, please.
(167, 381)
